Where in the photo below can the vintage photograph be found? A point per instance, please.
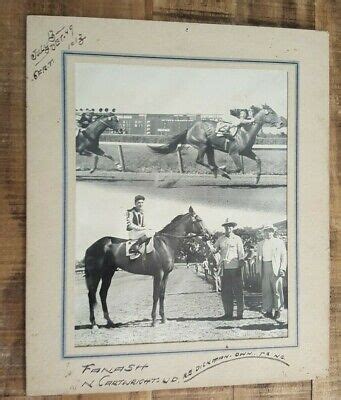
(181, 201)
(173, 237)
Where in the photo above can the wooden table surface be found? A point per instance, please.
(307, 14)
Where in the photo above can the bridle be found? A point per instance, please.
(104, 123)
(188, 236)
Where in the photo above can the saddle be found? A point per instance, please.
(145, 248)
(227, 129)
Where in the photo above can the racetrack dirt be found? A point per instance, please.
(191, 306)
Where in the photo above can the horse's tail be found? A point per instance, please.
(172, 145)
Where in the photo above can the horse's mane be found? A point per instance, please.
(173, 221)
(255, 109)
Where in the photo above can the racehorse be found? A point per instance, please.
(201, 135)
(109, 253)
(87, 140)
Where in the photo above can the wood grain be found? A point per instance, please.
(318, 14)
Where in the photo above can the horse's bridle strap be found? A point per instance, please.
(177, 236)
(105, 124)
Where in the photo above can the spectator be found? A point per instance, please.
(271, 254)
(231, 251)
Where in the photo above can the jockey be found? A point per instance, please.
(135, 224)
(85, 120)
(229, 121)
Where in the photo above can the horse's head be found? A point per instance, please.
(195, 225)
(266, 115)
(111, 121)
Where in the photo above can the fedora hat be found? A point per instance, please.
(229, 223)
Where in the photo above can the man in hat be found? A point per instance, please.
(230, 247)
(135, 224)
(272, 261)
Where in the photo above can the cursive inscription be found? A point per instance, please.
(97, 376)
(43, 56)
(214, 362)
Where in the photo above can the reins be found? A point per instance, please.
(177, 236)
(105, 124)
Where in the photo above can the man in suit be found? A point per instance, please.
(272, 259)
(231, 250)
(135, 224)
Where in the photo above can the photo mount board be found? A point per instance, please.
(53, 44)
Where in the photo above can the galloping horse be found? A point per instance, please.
(87, 141)
(109, 253)
(202, 136)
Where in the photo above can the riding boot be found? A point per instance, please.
(230, 137)
(136, 246)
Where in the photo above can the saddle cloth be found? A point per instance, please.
(145, 248)
(226, 128)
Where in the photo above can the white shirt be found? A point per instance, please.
(268, 249)
(231, 250)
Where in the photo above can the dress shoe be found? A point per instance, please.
(268, 314)
(225, 318)
(277, 315)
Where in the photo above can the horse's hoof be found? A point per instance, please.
(94, 328)
(110, 324)
(164, 321)
(226, 176)
(257, 180)
(153, 324)
(92, 171)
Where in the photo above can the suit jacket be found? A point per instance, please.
(135, 220)
(279, 256)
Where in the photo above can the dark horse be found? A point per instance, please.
(109, 253)
(87, 140)
(202, 136)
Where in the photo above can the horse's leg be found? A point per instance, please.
(106, 281)
(118, 165)
(92, 280)
(211, 160)
(200, 159)
(95, 165)
(156, 295)
(162, 298)
(253, 156)
(237, 162)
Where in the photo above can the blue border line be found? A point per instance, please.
(64, 197)
(169, 57)
(64, 241)
(296, 175)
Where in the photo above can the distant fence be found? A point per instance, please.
(281, 147)
(251, 277)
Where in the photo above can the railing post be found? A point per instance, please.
(120, 152)
(180, 162)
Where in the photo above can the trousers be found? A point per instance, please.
(272, 289)
(133, 235)
(232, 289)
